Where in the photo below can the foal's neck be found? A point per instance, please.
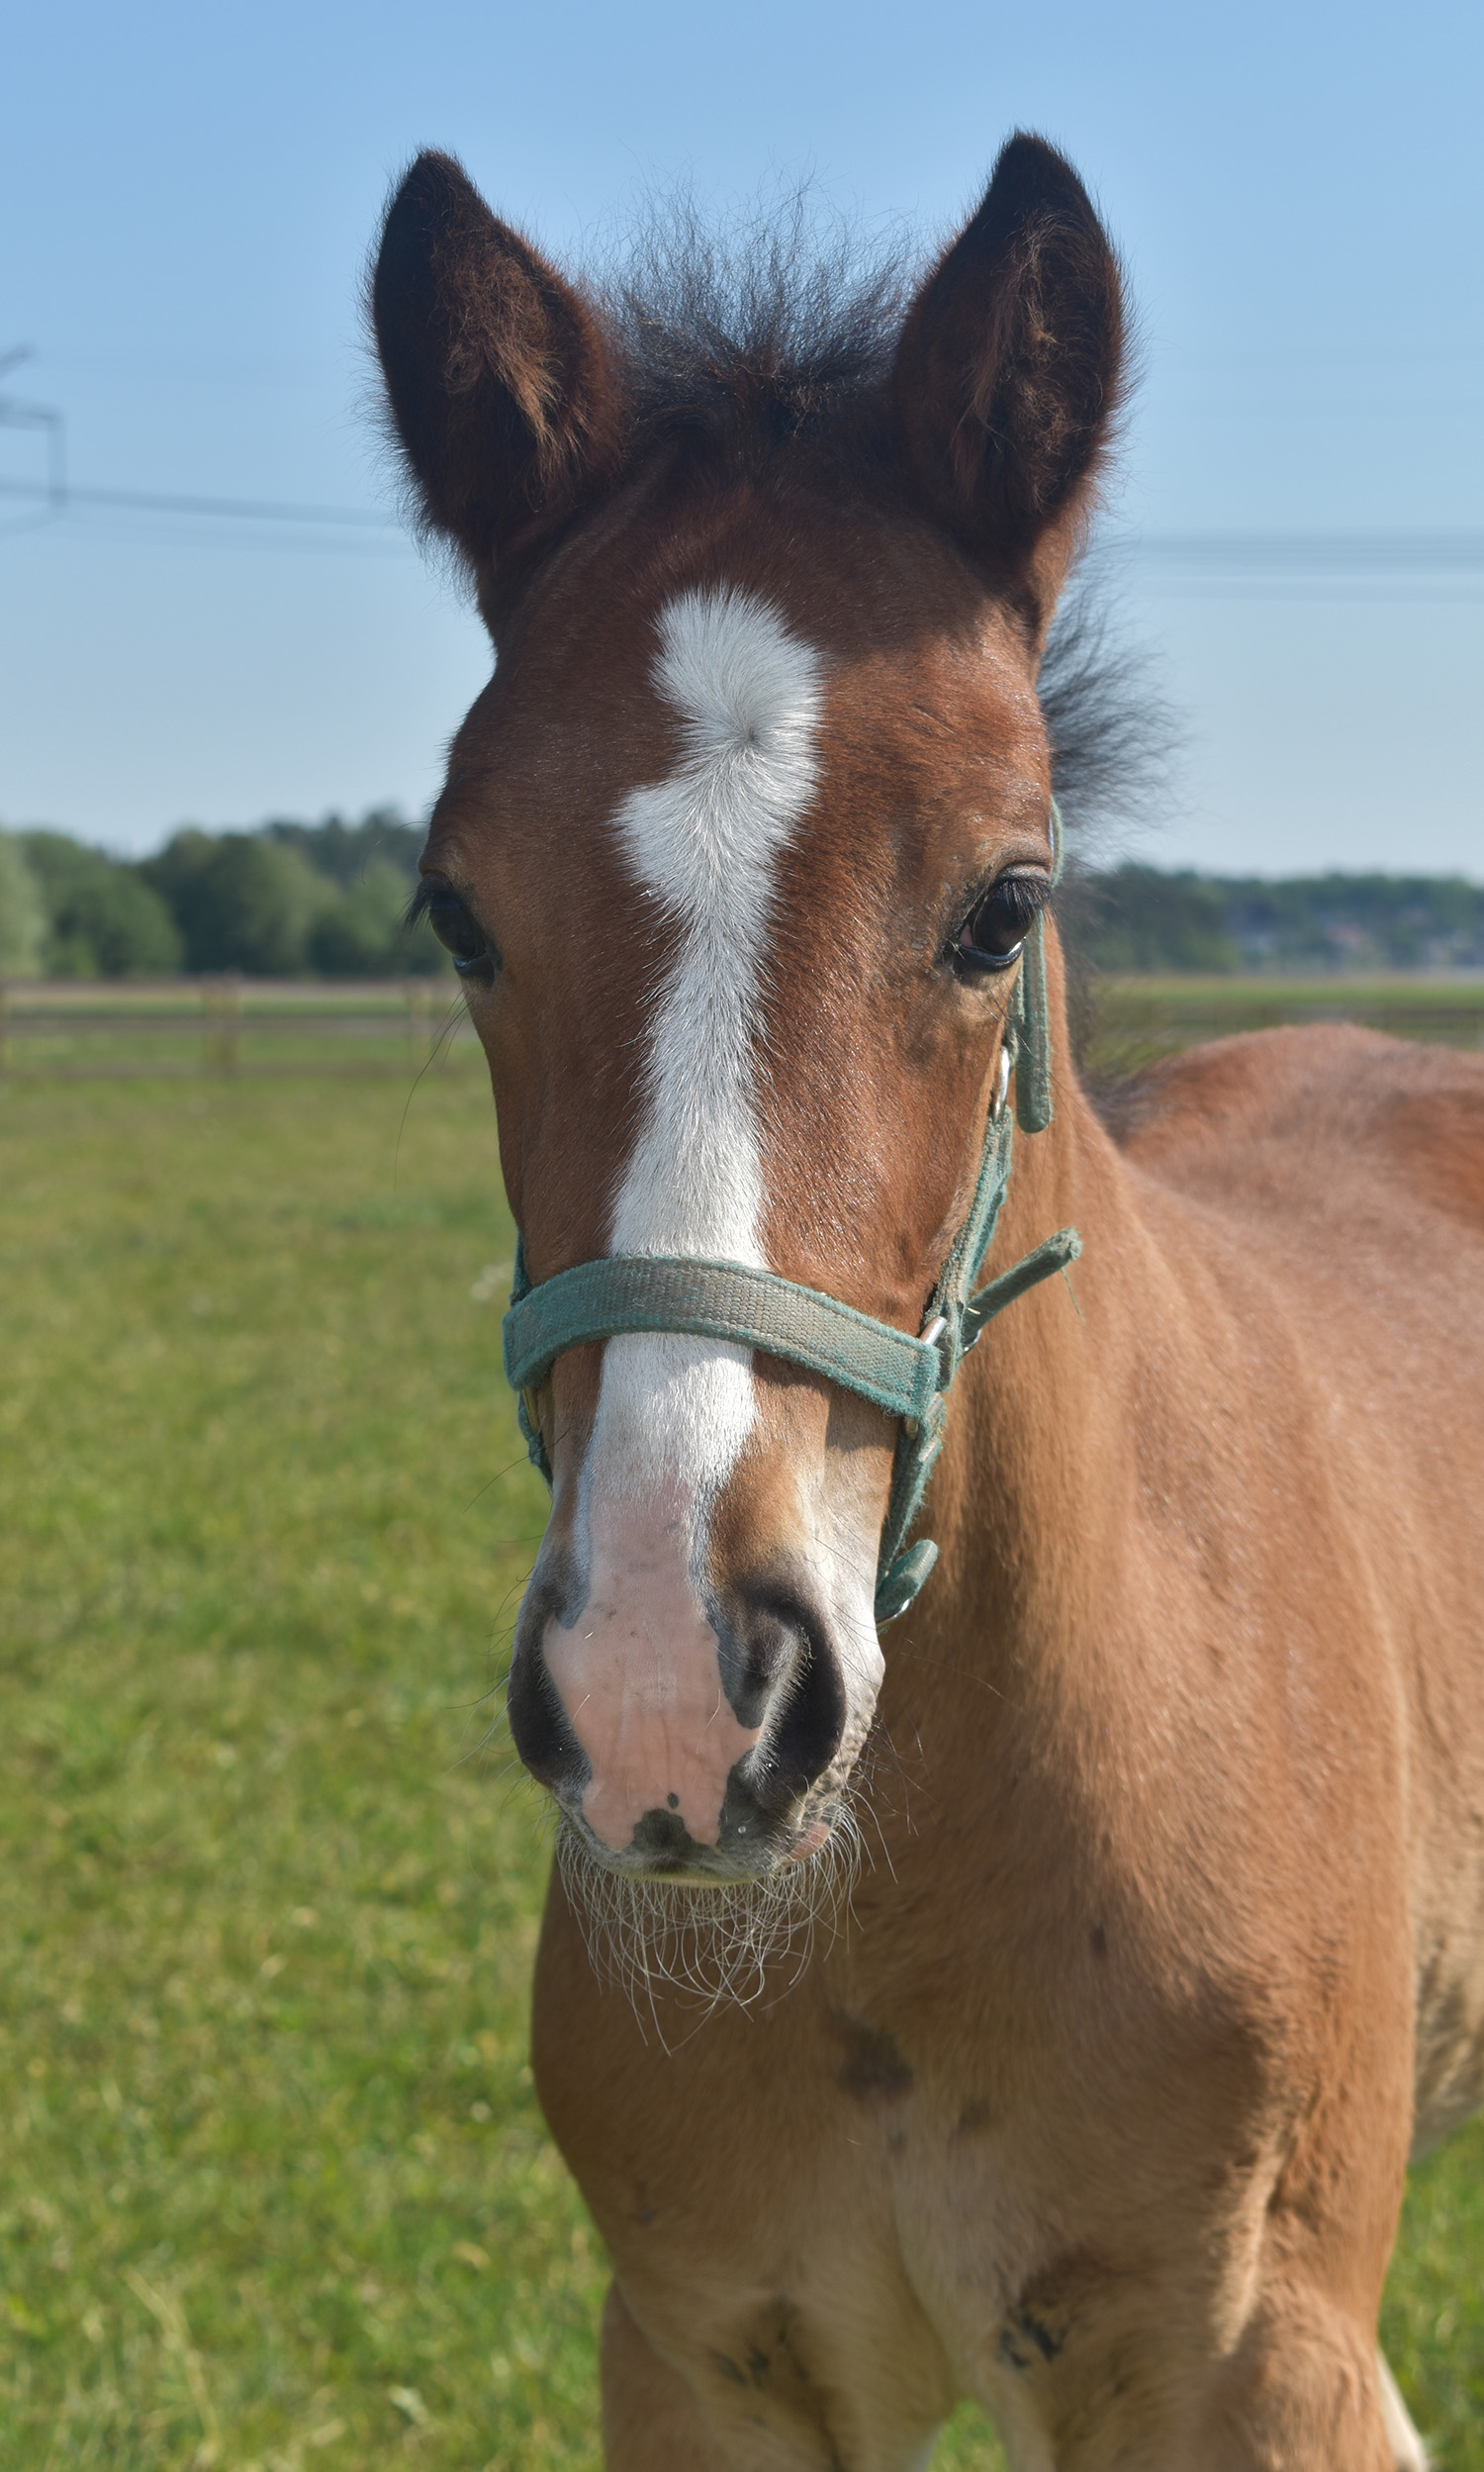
(1029, 1501)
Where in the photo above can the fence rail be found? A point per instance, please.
(223, 1028)
(233, 1029)
(1128, 1023)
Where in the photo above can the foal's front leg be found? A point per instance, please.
(1304, 2389)
(1408, 2450)
(653, 2423)
(1307, 2390)
(649, 2415)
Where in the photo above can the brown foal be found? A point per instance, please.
(1096, 2101)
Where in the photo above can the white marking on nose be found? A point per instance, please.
(639, 1677)
(674, 1413)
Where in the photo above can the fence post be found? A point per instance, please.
(419, 1021)
(4, 1029)
(232, 1026)
(222, 1018)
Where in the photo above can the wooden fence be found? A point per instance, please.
(227, 1028)
(234, 1028)
(1123, 1024)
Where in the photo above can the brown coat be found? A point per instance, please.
(1092, 2096)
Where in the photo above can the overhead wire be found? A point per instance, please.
(170, 502)
(1402, 564)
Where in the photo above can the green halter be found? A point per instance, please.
(908, 1378)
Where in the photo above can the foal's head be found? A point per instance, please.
(735, 857)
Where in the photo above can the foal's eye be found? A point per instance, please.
(457, 930)
(995, 930)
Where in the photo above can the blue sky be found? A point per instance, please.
(188, 194)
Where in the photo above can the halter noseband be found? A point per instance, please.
(908, 1378)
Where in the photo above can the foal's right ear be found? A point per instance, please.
(501, 386)
(1007, 374)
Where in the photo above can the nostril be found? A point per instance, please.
(540, 1727)
(757, 1652)
(783, 1676)
(810, 1727)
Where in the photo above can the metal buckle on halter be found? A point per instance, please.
(1001, 1083)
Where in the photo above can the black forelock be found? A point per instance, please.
(775, 326)
(779, 329)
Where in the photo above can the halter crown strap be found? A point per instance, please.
(733, 1302)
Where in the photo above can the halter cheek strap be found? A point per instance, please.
(907, 1379)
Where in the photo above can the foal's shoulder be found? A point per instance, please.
(1256, 1085)
(1325, 1103)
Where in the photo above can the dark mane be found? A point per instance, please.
(1115, 745)
(1115, 738)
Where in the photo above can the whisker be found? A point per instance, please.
(737, 1945)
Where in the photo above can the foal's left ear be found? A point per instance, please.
(1007, 374)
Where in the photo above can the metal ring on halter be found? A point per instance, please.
(1002, 1087)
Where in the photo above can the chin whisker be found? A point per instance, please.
(732, 1944)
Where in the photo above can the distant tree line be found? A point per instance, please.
(281, 902)
(1137, 919)
(329, 899)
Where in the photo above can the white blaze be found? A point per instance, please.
(673, 1413)
(637, 1671)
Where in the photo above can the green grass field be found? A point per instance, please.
(274, 2189)
(1125, 1024)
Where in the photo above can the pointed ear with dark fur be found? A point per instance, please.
(1008, 369)
(498, 377)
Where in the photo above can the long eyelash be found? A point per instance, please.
(419, 905)
(1024, 896)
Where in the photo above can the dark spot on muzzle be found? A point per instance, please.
(747, 1835)
(664, 1835)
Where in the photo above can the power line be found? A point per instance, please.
(1196, 555)
(1310, 553)
(16, 414)
(165, 502)
(1193, 556)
